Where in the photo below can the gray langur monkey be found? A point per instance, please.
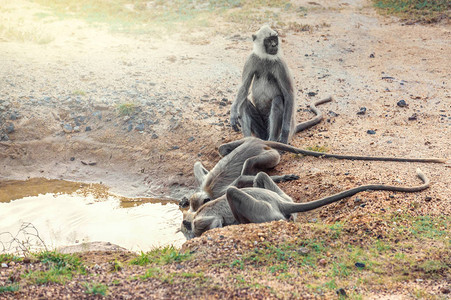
(266, 202)
(271, 113)
(250, 155)
(238, 165)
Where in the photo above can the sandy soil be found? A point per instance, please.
(182, 89)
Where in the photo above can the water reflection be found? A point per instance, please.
(74, 213)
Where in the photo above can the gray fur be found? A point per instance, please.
(265, 202)
(271, 80)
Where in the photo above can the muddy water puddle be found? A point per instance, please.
(65, 213)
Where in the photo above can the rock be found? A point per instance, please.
(372, 55)
(357, 199)
(322, 262)
(129, 127)
(362, 111)
(311, 94)
(72, 158)
(10, 128)
(175, 147)
(139, 127)
(13, 116)
(67, 128)
(332, 114)
(413, 117)
(77, 129)
(190, 139)
(88, 128)
(359, 265)
(303, 250)
(154, 136)
(4, 265)
(341, 292)
(371, 131)
(97, 114)
(401, 103)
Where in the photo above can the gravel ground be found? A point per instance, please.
(61, 117)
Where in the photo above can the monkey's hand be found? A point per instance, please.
(234, 121)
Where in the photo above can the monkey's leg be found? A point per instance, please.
(252, 121)
(276, 118)
(248, 180)
(200, 173)
(265, 160)
(247, 209)
(262, 180)
(226, 148)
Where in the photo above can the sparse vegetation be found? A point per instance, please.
(9, 288)
(161, 256)
(426, 11)
(94, 288)
(59, 268)
(126, 109)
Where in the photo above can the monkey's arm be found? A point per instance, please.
(316, 119)
(290, 208)
(248, 75)
(286, 86)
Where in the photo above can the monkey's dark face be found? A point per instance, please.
(271, 44)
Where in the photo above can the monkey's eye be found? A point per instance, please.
(207, 200)
(187, 224)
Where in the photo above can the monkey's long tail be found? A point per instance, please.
(288, 148)
(315, 120)
(291, 208)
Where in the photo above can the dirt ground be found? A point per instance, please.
(60, 105)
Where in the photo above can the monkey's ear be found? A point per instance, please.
(254, 37)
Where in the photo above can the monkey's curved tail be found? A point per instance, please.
(315, 120)
(291, 208)
(288, 148)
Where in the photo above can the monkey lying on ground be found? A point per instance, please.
(265, 202)
(271, 113)
(237, 162)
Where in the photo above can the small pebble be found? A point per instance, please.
(303, 250)
(359, 265)
(341, 292)
(311, 94)
(413, 117)
(67, 128)
(4, 265)
(371, 131)
(362, 111)
(10, 128)
(401, 103)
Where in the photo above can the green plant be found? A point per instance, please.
(9, 288)
(60, 267)
(416, 10)
(126, 109)
(94, 288)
